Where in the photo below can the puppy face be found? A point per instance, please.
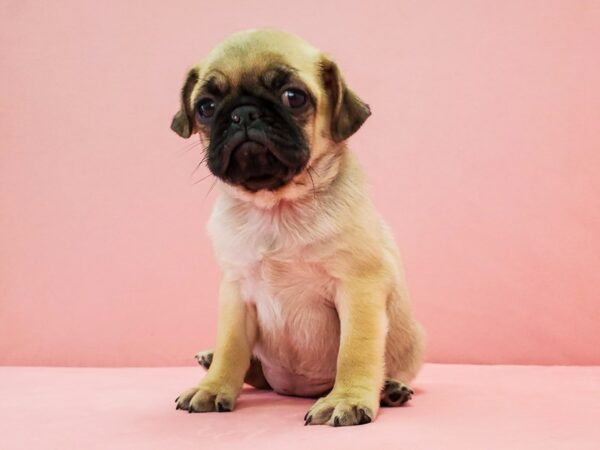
(271, 108)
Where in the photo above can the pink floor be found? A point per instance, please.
(462, 407)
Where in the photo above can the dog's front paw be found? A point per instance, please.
(340, 410)
(207, 397)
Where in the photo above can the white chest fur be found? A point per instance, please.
(277, 258)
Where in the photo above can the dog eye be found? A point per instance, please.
(205, 109)
(293, 98)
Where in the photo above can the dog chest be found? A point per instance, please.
(298, 326)
(279, 267)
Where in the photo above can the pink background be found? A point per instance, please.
(483, 154)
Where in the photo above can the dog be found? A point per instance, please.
(313, 300)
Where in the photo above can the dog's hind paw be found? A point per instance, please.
(395, 393)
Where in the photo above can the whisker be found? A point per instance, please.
(211, 188)
(193, 144)
(189, 147)
(204, 178)
(314, 171)
(202, 161)
(312, 181)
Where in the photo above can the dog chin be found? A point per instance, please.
(266, 182)
(292, 190)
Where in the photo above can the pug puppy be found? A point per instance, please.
(313, 300)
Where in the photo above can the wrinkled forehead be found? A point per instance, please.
(255, 63)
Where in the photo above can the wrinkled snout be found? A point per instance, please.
(261, 147)
(256, 167)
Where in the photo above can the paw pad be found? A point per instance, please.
(395, 393)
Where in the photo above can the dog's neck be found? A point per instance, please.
(306, 190)
(243, 232)
(334, 183)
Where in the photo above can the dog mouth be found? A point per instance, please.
(268, 182)
(265, 181)
(256, 166)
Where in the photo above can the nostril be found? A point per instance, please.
(245, 114)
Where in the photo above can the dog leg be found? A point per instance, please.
(236, 334)
(355, 397)
(254, 376)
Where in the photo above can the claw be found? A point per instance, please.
(308, 420)
(364, 417)
(223, 408)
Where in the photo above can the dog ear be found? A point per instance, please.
(183, 121)
(347, 111)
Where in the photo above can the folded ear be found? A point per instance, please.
(183, 121)
(348, 111)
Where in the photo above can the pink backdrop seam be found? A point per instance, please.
(483, 155)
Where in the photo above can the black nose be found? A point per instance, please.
(245, 115)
